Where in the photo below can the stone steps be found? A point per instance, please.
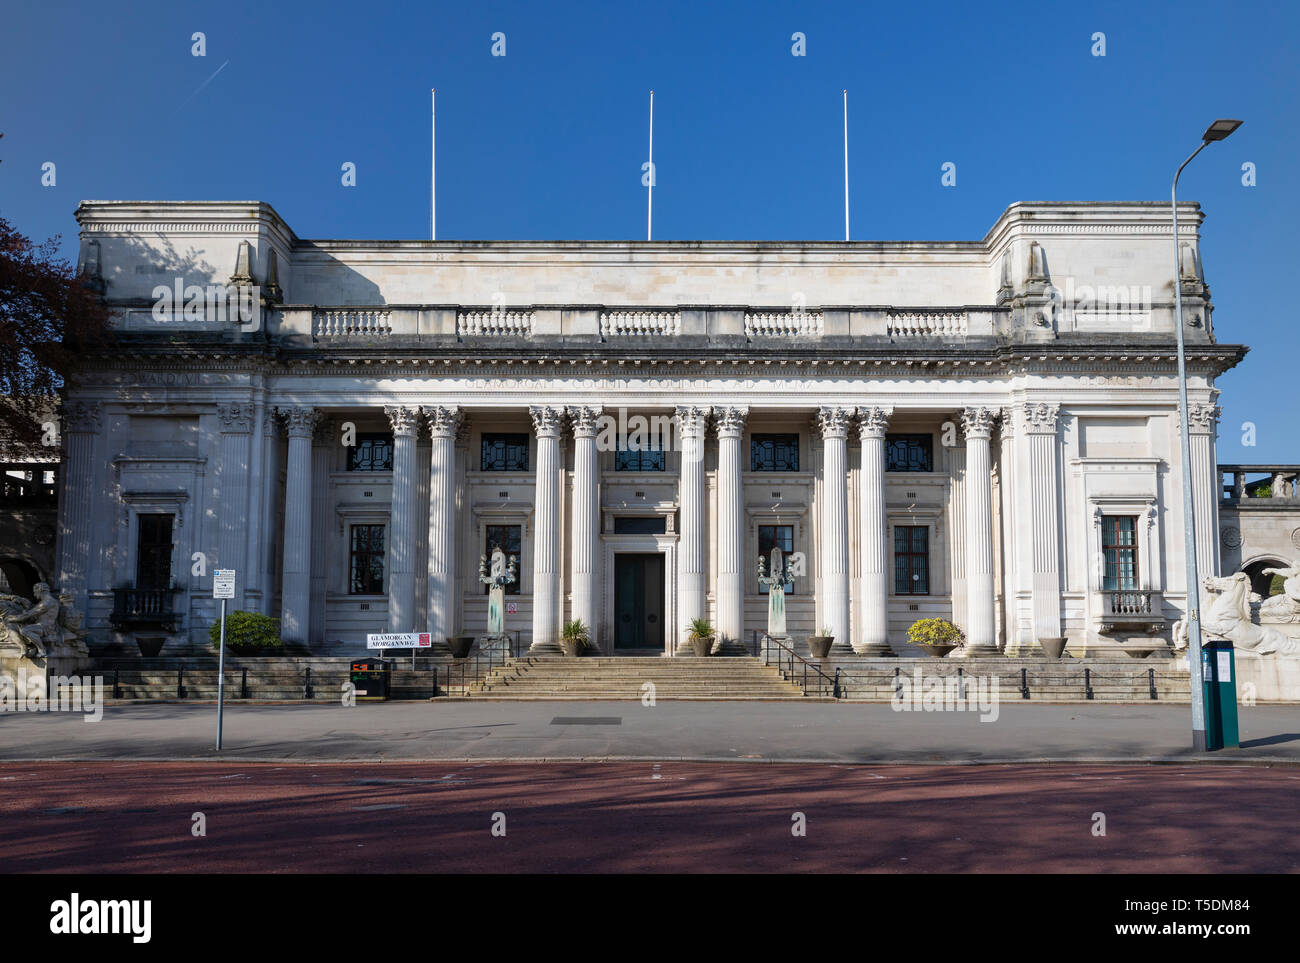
(618, 678)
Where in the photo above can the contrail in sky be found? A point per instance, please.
(201, 86)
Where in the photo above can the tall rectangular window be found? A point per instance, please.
(1119, 551)
(770, 452)
(776, 536)
(909, 453)
(366, 560)
(372, 452)
(911, 560)
(153, 555)
(639, 459)
(508, 538)
(504, 452)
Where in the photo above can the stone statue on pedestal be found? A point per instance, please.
(48, 627)
(778, 581)
(499, 577)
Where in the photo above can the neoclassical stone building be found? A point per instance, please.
(981, 430)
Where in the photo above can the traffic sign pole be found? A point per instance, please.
(221, 672)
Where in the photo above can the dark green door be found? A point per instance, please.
(638, 601)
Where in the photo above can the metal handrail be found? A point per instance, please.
(497, 651)
(798, 666)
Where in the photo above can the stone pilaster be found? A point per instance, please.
(547, 423)
(402, 525)
(981, 639)
(325, 443)
(730, 592)
(268, 536)
(252, 576)
(692, 546)
(586, 520)
(233, 533)
(1038, 423)
(1203, 427)
(295, 587)
(81, 424)
(833, 423)
(873, 639)
(443, 423)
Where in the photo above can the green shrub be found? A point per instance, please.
(248, 633)
(935, 632)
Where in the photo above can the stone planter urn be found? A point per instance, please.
(572, 648)
(820, 645)
(460, 645)
(1052, 648)
(937, 650)
(150, 645)
(702, 645)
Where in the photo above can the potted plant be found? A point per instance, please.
(701, 637)
(937, 637)
(460, 644)
(248, 633)
(820, 645)
(574, 638)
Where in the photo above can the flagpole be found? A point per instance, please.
(846, 165)
(433, 164)
(650, 173)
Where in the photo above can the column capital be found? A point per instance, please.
(730, 421)
(1038, 418)
(299, 422)
(585, 420)
(873, 422)
(236, 418)
(81, 416)
(692, 419)
(443, 420)
(548, 420)
(325, 431)
(1203, 419)
(978, 422)
(404, 420)
(834, 422)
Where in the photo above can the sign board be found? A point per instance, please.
(399, 640)
(223, 583)
(512, 608)
(1225, 666)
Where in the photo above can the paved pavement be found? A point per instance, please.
(736, 731)
(655, 818)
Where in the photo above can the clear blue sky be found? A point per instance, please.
(548, 141)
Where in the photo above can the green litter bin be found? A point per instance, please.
(1219, 686)
(370, 678)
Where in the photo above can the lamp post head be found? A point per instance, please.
(1220, 129)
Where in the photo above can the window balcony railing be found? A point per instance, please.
(1277, 482)
(1132, 608)
(145, 607)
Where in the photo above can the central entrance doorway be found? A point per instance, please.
(638, 600)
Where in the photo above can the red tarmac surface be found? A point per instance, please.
(645, 817)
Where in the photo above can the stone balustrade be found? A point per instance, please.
(784, 324)
(351, 324)
(927, 324)
(640, 323)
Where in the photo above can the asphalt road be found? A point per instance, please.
(646, 818)
(718, 731)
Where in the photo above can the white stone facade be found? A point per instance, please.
(1039, 362)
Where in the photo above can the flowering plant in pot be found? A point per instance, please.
(701, 636)
(820, 645)
(937, 637)
(574, 638)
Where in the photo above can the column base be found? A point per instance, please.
(841, 649)
(986, 650)
(545, 648)
(876, 650)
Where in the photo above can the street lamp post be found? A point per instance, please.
(1216, 131)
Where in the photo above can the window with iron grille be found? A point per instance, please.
(911, 560)
(508, 538)
(153, 555)
(639, 459)
(366, 560)
(773, 452)
(1119, 551)
(776, 536)
(504, 452)
(372, 452)
(909, 453)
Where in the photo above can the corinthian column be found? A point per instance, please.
(692, 563)
(295, 588)
(874, 598)
(834, 426)
(1039, 422)
(443, 422)
(977, 424)
(547, 423)
(730, 593)
(586, 517)
(232, 537)
(401, 534)
(81, 422)
(1203, 426)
